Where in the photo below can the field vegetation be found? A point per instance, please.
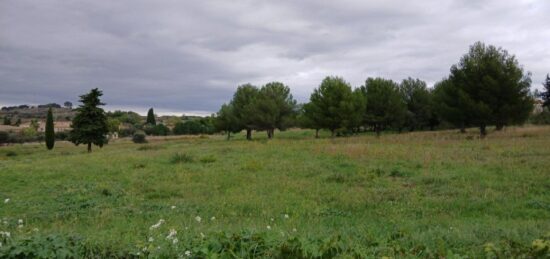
(421, 194)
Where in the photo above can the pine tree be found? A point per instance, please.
(333, 106)
(90, 123)
(151, 117)
(242, 103)
(50, 134)
(385, 105)
(495, 89)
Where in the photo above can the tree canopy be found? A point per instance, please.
(90, 126)
(493, 87)
(385, 105)
(151, 117)
(333, 106)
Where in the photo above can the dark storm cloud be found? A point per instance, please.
(189, 56)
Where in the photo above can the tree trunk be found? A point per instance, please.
(499, 126)
(332, 132)
(89, 147)
(228, 135)
(462, 128)
(248, 134)
(482, 131)
(316, 133)
(270, 133)
(377, 130)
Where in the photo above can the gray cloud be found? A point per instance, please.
(189, 56)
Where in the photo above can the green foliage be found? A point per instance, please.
(50, 133)
(385, 105)
(493, 87)
(545, 94)
(139, 138)
(542, 118)
(273, 108)
(7, 120)
(450, 104)
(226, 120)
(419, 103)
(113, 124)
(4, 137)
(242, 103)
(194, 127)
(156, 130)
(128, 117)
(151, 117)
(333, 106)
(90, 126)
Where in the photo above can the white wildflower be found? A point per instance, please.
(20, 222)
(198, 219)
(138, 253)
(175, 241)
(188, 253)
(173, 207)
(158, 224)
(294, 230)
(202, 235)
(35, 229)
(213, 218)
(272, 219)
(151, 239)
(7, 200)
(268, 227)
(286, 216)
(5, 234)
(172, 234)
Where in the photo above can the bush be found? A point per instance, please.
(4, 137)
(11, 153)
(156, 130)
(139, 138)
(542, 118)
(62, 135)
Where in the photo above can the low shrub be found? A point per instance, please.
(139, 138)
(11, 153)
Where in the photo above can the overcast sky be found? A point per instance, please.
(188, 57)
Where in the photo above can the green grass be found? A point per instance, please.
(425, 194)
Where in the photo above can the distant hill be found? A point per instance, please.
(27, 112)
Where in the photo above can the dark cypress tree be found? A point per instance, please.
(151, 117)
(50, 134)
(90, 123)
(545, 95)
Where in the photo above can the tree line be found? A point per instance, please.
(487, 87)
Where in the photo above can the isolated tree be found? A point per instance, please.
(151, 117)
(494, 87)
(89, 126)
(68, 105)
(332, 106)
(417, 97)
(273, 108)
(545, 94)
(49, 134)
(385, 105)
(226, 120)
(242, 103)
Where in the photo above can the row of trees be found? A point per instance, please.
(267, 108)
(487, 87)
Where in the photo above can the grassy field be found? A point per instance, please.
(426, 194)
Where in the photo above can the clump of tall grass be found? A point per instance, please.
(178, 158)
